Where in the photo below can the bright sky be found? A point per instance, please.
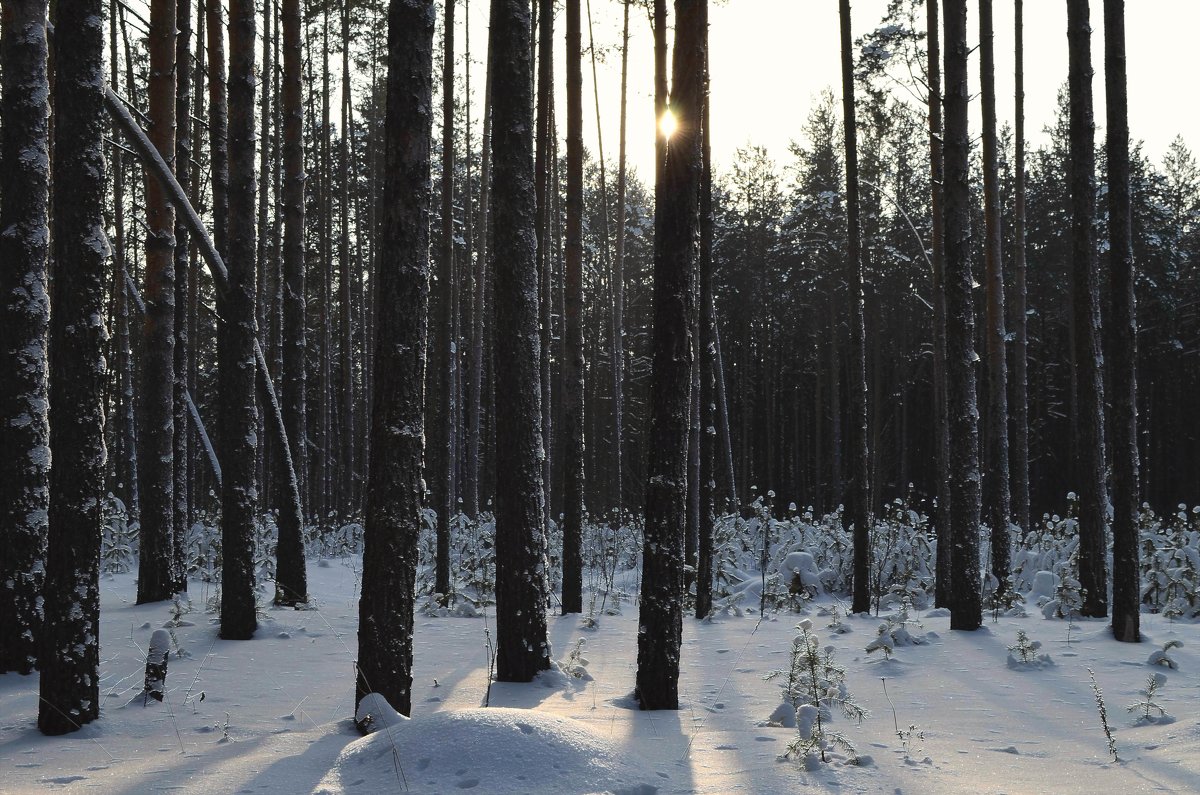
(770, 58)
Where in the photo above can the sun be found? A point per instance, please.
(667, 124)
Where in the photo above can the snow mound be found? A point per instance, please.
(496, 750)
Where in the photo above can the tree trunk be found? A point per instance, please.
(1122, 338)
(236, 343)
(24, 320)
(1020, 380)
(966, 604)
(707, 354)
(676, 244)
(183, 173)
(69, 649)
(396, 469)
(1093, 499)
(857, 509)
(522, 648)
(482, 277)
(218, 126)
(573, 419)
(349, 391)
(618, 279)
(157, 486)
(449, 410)
(998, 508)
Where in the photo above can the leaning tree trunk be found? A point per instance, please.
(236, 343)
(1122, 338)
(1093, 499)
(573, 420)
(966, 604)
(69, 651)
(396, 469)
(24, 319)
(157, 435)
(676, 244)
(997, 497)
(521, 645)
(857, 509)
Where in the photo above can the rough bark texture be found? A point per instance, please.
(1093, 499)
(347, 280)
(573, 419)
(618, 283)
(396, 468)
(997, 497)
(676, 244)
(218, 125)
(707, 354)
(966, 608)
(938, 257)
(1020, 380)
(857, 509)
(522, 649)
(449, 360)
(1122, 336)
(184, 149)
(293, 380)
(156, 476)
(24, 318)
(69, 656)
(236, 343)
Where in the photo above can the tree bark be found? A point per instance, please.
(618, 280)
(396, 469)
(218, 126)
(573, 408)
(522, 648)
(1122, 336)
(857, 509)
(69, 656)
(183, 173)
(349, 390)
(157, 486)
(966, 604)
(24, 321)
(448, 410)
(1020, 379)
(998, 507)
(1093, 497)
(236, 343)
(707, 354)
(676, 250)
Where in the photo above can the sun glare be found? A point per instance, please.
(667, 124)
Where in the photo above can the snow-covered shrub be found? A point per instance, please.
(118, 537)
(1163, 656)
(1026, 653)
(895, 631)
(902, 557)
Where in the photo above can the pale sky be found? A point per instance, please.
(770, 58)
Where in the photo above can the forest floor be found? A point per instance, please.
(275, 714)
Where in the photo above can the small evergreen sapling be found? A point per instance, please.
(1147, 706)
(1026, 653)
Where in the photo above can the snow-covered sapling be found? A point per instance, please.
(1147, 705)
(882, 642)
(1163, 657)
(1026, 653)
(1099, 695)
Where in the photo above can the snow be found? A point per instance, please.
(274, 714)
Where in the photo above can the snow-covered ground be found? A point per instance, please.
(274, 714)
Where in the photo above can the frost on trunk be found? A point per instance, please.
(522, 647)
(677, 240)
(24, 317)
(236, 343)
(156, 435)
(156, 666)
(963, 429)
(397, 433)
(1088, 361)
(69, 655)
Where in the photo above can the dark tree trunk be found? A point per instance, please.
(966, 604)
(449, 362)
(942, 596)
(69, 656)
(482, 278)
(521, 645)
(618, 281)
(1020, 380)
(349, 391)
(294, 348)
(236, 343)
(998, 501)
(1093, 499)
(1122, 338)
(218, 126)
(396, 468)
(676, 250)
(183, 173)
(707, 353)
(24, 319)
(573, 419)
(157, 436)
(857, 509)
